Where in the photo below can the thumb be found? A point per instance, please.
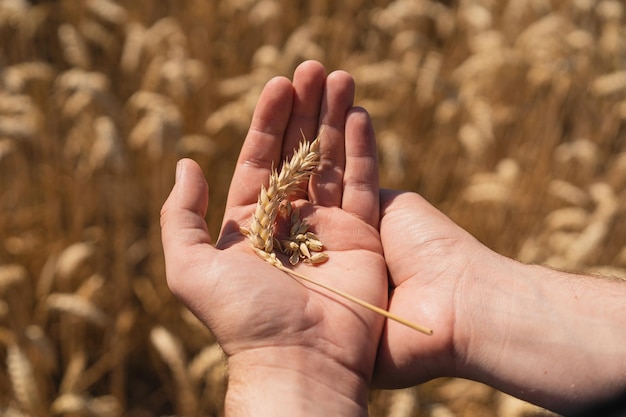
(183, 227)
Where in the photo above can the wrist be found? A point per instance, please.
(548, 337)
(289, 381)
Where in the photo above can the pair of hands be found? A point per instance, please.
(376, 240)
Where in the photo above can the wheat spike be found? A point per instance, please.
(203, 362)
(261, 231)
(403, 403)
(73, 259)
(22, 376)
(75, 50)
(77, 306)
(11, 275)
(107, 11)
(293, 172)
(172, 352)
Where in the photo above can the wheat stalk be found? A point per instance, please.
(261, 231)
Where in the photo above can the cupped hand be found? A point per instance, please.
(254, 309)
(430, 261)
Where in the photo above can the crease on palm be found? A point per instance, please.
(271, 203)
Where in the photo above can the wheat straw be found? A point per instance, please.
(74, 370)
(292, 175)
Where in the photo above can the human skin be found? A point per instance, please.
(292, 349)
(551, 338)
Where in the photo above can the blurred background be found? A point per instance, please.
(509, 116)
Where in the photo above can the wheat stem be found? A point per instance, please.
(261, 231)
(358, 301)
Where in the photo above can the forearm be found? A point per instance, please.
(552, 338)
(292, 382)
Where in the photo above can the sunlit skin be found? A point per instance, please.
(295, 349)
(263, 318)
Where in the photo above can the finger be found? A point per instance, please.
(360, 180)
(309, 79)
(263, 145)
(183, 227)
(327, 184)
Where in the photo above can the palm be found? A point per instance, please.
(249, 304)
(281, 310)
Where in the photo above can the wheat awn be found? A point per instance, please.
(302, 244)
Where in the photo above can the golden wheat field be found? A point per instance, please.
(509, 116)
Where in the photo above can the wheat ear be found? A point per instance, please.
(261, 232)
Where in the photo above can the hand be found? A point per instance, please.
(276, 331)
(535, 333)
(429, 257)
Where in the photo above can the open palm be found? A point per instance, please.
(248, 304)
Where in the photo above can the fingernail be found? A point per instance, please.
(179, 169)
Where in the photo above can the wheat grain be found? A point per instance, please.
(293, 174)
